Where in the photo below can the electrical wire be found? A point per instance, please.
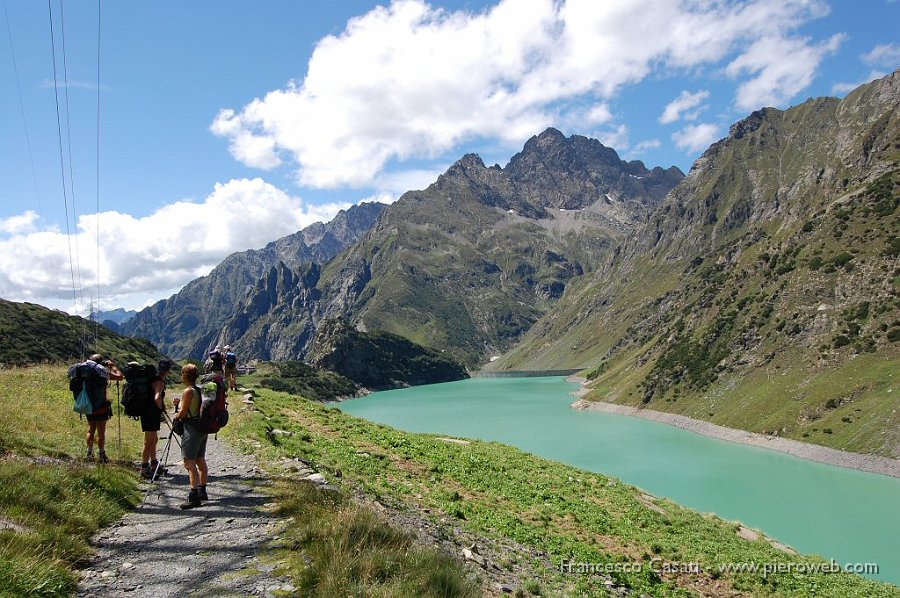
(62, 167)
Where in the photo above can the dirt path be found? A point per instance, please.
(216, 550)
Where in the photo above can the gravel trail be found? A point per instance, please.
(216, 550)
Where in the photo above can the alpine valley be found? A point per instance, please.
(761, 291)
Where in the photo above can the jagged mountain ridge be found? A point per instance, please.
(189, 321)
(772, 265)
(470, 263)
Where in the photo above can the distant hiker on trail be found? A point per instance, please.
(98, 418)
(215, 363)
(230, 368)
(151, 420)
(193, 442)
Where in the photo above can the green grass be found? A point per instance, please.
(337, 548)
(54, 501)
(502, 493)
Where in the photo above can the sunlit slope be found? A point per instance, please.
(772, 268)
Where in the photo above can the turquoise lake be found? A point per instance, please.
(847, 515)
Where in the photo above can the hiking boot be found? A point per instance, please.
(159, 469)
(202, 493)
(102, 457)
(90, 454)
(146, 472)
(193, 500)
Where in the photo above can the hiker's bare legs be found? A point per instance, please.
(101, 436)
(201, 468)
(193, 473)
(92, 427)
(151, 441)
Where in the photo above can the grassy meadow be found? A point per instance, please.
(51, 499)
(558, 512)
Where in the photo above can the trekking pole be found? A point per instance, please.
(119, 418)
(160, 465)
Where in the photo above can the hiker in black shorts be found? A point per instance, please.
(151, 420)
(97, 420)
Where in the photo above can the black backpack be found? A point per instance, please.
(85, 377)
(137, 395)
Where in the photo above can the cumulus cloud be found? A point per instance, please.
(642, 146)
(23, 223)
(410, 80)
(694, 138)
(599, 114)
(679, 107)
(149, 256)
(616, 138)
(775, 78)
(884, 55)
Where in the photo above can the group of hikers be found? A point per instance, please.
(197, 412)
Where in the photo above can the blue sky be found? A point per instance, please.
(225, 125)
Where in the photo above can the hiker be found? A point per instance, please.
(215, 362)
(151, 421)
(230, 368)
(193, 442)
(97, 420)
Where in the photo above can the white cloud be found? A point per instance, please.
(149, 256)
(17, 225)
(599, 114)
(643, 146)
(616, 138)
(411, 80)
(776, 78)
(694, 138)
(683, 103)
(884, 55)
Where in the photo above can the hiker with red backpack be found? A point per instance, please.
(193, 441)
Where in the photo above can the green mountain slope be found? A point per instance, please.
(763, 294)
(35, 334)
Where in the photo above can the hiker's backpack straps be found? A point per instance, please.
(137, 395)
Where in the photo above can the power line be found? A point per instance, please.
(62, 167)
(62, 30)
(98, 161)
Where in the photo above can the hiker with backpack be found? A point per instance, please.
(151, 419)
(91, 378)
(215, 361)
(193, 440)
(230, 368)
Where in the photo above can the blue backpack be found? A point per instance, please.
(88, 388)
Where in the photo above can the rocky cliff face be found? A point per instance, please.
(470, 263)
(190, 321)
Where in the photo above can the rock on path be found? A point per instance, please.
(218, 549)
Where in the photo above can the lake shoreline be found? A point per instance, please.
(796, 448)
